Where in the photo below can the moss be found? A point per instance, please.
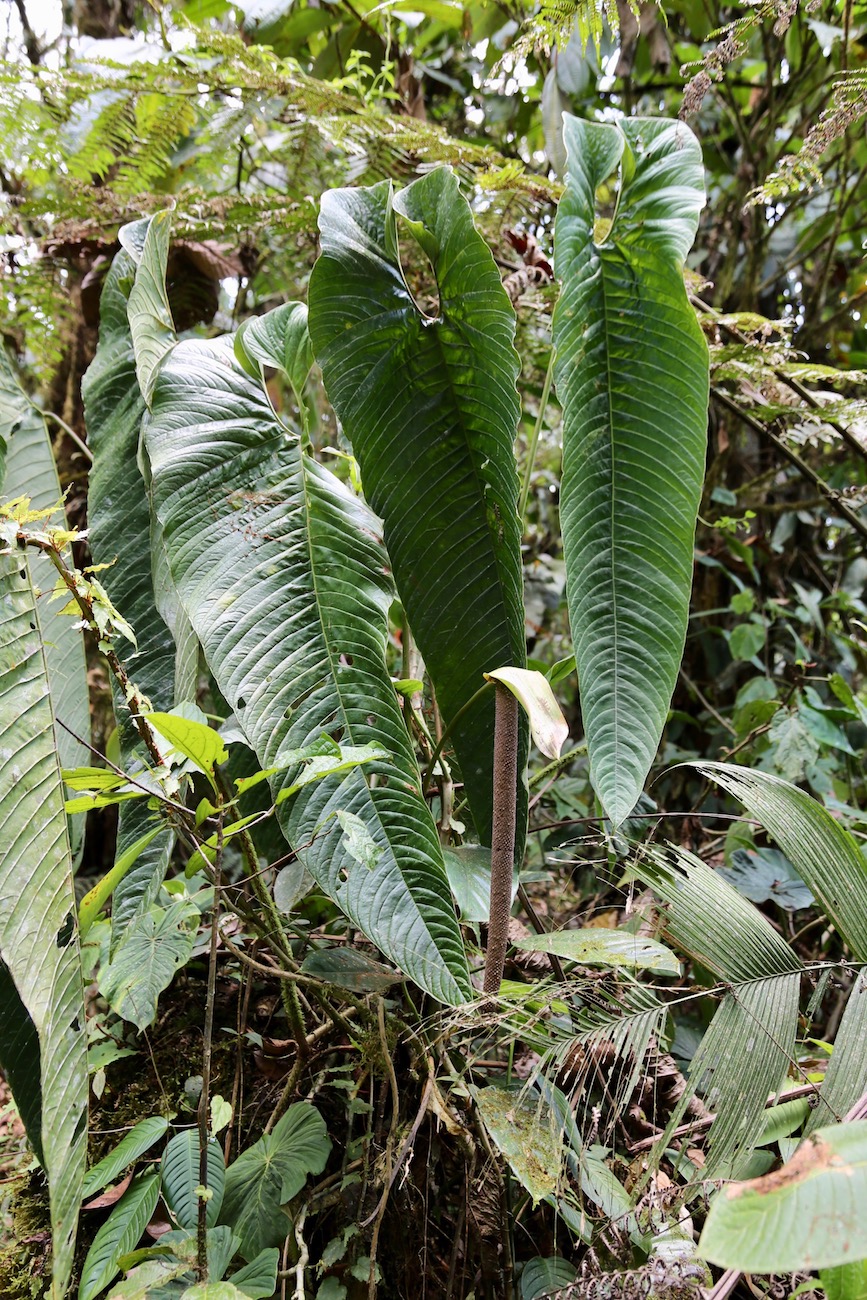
(25, 1262)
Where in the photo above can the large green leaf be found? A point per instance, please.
(38, 938)
(431, 409)
(120, 535)
(285, 581)
(30, 471)
(809, 1214)
(632, 375)
(826, 856)
(268, 1174)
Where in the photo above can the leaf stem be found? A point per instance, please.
(503, 835)
(534, 438)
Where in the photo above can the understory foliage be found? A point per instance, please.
(433, 711)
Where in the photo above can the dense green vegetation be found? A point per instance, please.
(433, 716)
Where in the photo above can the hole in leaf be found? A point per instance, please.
(418, 274)
(337, 734)
(346, 661)
(66, 931)
(242, 703)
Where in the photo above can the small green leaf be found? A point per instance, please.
(533, 692)
(200, 743)
(746, 640)
(598, 947)
(349, 969)
(268, 1174)
(135, 1143)
(118, 1235)
(807, 1215)
(469, 871)
(153, 948)
(180, 1178)
(221, 1115)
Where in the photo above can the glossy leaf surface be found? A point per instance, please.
(634, 436)
(38, 938)
(430, 406)
(284, 578)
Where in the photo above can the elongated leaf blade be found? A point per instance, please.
(120, 535)
(118, 1235)
(285, 581)
(431, 409)
(139, 1139)
(826, 856)
(632, 375)
(38, 938)
(30, 471)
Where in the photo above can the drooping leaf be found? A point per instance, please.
(268, 1174)
(30, 471)
(634, 435)
(598, 947)
(120, 535)
(809, 1214)
(118, 1235)
(38, 938)
(149, 314)
(824, 853)
(254, 525)
(349, 969)
(430, 406)
(532, 690)
(95, 899)
(144, 963)
(179, 1172)
(520, 1126)
(139, 1139)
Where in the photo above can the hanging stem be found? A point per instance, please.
(534, 438)
(503, 835)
